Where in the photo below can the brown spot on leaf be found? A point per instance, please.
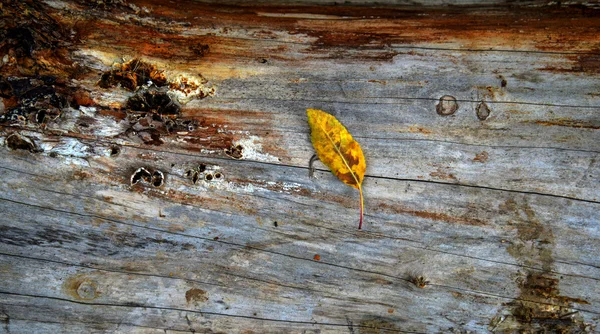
(347, 178)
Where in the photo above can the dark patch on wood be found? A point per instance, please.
(195, 295)
(533, 247)
(158, 178)
(114, 151)
(377, 326)
(236, 152)
(567, 122)
(200, 50)
(153, 101)
(36, 100)
(16, 141)
(133, 74)
(588, 63)
(142, 175)
(418, 279)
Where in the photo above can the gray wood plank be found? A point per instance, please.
(473, 224)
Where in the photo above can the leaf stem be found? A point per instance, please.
(361, 207)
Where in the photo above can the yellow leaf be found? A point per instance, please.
(338, 150)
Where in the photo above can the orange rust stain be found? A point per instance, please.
(489, 92)
(383, 82)
(195, 295)
(317, 257)
(432, 215)
(567, 122)
(217, 129)
(80, 174)
(549, 28)
(81, 287)
(588, 63)
(83, 98)
(419, 129)
(442, 173)
(481, 157)
(11, 102)
(390, 310)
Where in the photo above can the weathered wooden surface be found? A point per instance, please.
(501, 215)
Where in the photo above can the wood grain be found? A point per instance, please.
(484, 220)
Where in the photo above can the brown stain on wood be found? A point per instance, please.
(443, 173)
(132, 74)
(481, 157)
(570, 123)
(348, 32)
(586, 63)
(376, 326)
(419, 129)
(195, 296)
(436, 216)
(539, 306)
(81, 287)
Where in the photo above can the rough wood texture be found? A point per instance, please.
(484, 220)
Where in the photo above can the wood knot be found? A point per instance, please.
(447, 105)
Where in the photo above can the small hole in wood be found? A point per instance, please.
(158, 178)
(114, 151)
